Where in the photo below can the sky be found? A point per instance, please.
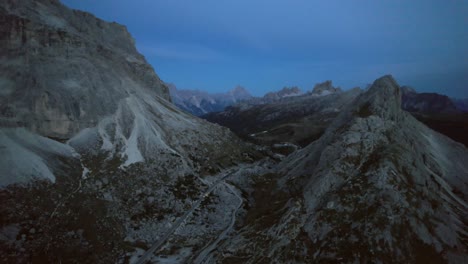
(264, 45)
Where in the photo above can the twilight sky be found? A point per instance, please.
(264, 45)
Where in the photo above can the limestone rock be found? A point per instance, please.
(63, 70)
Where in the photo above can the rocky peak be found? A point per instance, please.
(381, 172)
(285, 92)
(325, 88)
(240, 92)
(290, 91)
(382, 99)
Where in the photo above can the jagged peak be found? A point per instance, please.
(284, 92)
(240, 91)
(383, 99)
(386, 86)
(325, 87)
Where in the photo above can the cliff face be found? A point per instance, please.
(94, 158)
(72, 77)
(64, 69)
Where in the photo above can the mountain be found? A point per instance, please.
(55, 61)
(413, 101)
(377, 187)
(320, 89)
(325, 88)
(297, 119)
(437, 111)
(285, 92)
(199, 103)
(95, 160)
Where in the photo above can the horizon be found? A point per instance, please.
(264, 46)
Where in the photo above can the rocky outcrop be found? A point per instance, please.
(62, 70)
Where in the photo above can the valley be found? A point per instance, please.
(100, 163)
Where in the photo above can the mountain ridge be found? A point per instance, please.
(363, 191)
(199, 102)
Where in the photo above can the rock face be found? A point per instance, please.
(68, 67)
(377, 187)
(68, 75)
(199, 103)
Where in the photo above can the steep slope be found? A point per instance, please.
(96, 162)
(199, 103)
(70, 76)
(27, 156)
(377, 187)
(67, 66)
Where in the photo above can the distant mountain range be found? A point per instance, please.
(199, 102)
(301, 118)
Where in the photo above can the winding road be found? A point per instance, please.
(205, 253)
(184, 217)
